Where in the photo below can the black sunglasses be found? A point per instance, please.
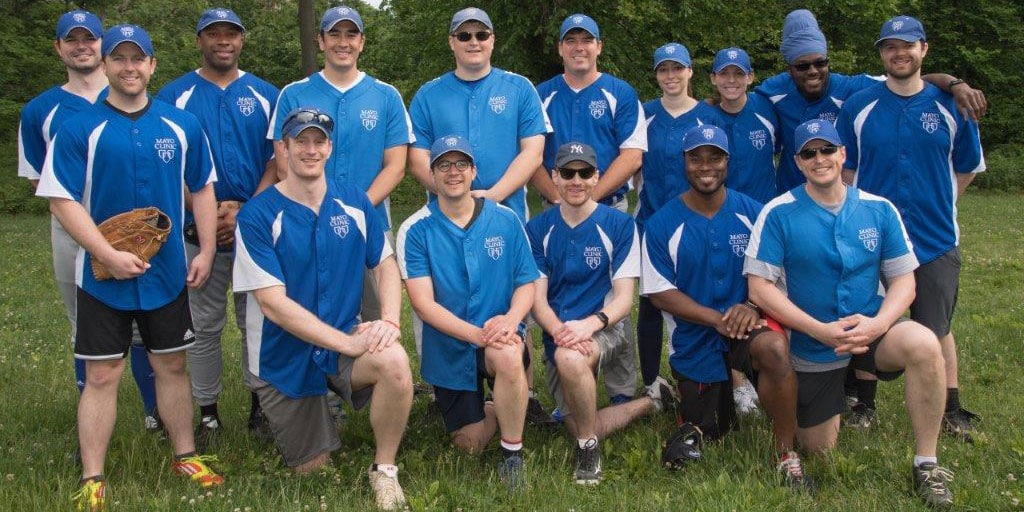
(309, 116)
(820, 64)
(809, 154)
(585, 173)
(482, 35)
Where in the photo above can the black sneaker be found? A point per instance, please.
(663, 395)
(259, 427)
(930, 483)
(861, 417)
(536, 416)
(588, 463)
(792, 470)
(512, 470)
(206, 433)
(960, 424)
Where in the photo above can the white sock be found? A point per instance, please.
(390, 470)
(512, 447)
(920, 459)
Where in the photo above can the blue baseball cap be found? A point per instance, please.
(674, 52)
(447, 144)
(581, 21)
(306, 117)
(341, 13)
(79, 19)
(705, 135)
(127, 34)
(470, 14)
(816, 129)
(218, 15)
(904, 28)
(731, 57)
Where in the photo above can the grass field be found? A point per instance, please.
(869, 471)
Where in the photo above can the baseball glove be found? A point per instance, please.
(141, 232)
(681, 447)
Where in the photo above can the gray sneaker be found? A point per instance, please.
(588, 463)
(511, 470)
(930, 482)
(387, 492)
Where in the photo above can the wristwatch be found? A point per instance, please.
(953, 83)
(603, 318)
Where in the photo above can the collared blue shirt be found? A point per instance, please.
(908, 149)
(319, 259)
(753, 143)
(112, 164)
(474, 273)
(703, 258)
(39, 122)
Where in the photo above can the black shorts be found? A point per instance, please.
(819, 396)
(710, 406)
(866, 361)
(460, 407)
(938, 284)
(105, 333)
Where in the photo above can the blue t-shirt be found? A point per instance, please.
(753, 143)
(39, 122)
(319, 259)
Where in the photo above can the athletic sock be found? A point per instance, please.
(952, 400)
(98, 478)
(866, 390)
(920, 459)
(209, 410)
(80, 375)
(185, 455)
(511, 447)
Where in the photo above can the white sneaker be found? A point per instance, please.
(663, 395)
(745, 398)
(387, 491)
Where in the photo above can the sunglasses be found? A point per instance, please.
(585, 173)
(482, 35)
(809, 154)
(819, 64)
(311, 116)
(459, 165)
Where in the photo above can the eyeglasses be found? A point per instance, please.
(819, 64)
(482, 35)
(459, 165)
(585, 173)
(311, 116)
(809, 154)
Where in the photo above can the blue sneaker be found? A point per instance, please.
(619, 399)
(557, 416)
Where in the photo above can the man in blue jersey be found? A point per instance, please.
(79, 35)
(814, 261)
(297, 243)
(910, 144)
(234, 108)
(693, 271)
(130, 142)
(470, 277)
(589, 257)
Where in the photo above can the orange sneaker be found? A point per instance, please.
(91, 496)
(196, 469)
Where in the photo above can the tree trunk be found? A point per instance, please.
(307, 36)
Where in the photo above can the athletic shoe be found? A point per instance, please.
(92, 495)
(861, 417)
(588, 463)
(557, 416)
(152, 422)
(535, 414)
(336, 406)
(930, 481)
(206, 432)
(663, 395)
(792, 470)
(960, 424)
(745, 398)
(619, 399)
(850, 401)
(196, 469)
(259, 427)
(512, 469)
(387, 492)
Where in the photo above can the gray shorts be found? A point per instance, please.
(610, 342)
(938, 283)
(304, 427)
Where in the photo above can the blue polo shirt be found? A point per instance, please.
(753, 143)
(369, 117)
(703, 258)
(907, 150)
(581, 262)
(39, 122)
(493, 114)
(112, 164)
(318, 258)
(474, 272)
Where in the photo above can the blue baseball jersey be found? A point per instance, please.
(703, 258)
(474, 273)
(663, 170)
(908, 149)
(112, 164)
(235, 120)
(830, 263)
(39, 122)
(318, 258)
(493, 114)
(605, 114)
(753, 143)
(793, 109)
(581, 262)
(369, 117)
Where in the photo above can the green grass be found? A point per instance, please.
(866, 472)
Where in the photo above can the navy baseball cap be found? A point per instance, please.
(79, 19)
(306, 117)
(705, 135)
(575, 152)
(904, 28)
(581, 21)
(470, 14)
(674, 52)
(816, 129)
(731, 57)
(218, 15)
(127, 34)
(341, 13)
(447, 144)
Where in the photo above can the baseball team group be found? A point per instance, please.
(782, 235)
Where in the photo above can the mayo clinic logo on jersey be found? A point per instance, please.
(246, 106)
(339, 223)
(495, 245)
(593, 256)
(738, 242)
(930, 121)
(828, 116)
(597, 108)
(79, 18)
(758, 138)
(869, 237)
(165, 148)
(368, 118)
(497, 104)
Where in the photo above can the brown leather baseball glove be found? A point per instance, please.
(141, 232)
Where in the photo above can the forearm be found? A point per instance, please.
(680, 305)
(390, 175)
(521, 169)
(940, 80)
(389, 289)
(297, 320)
(962, 181)
(419, 166)
(622, 300)
(899, 293)
(522, 300)
(438, 317)
(541, 181)
(542, 312)
(619, 172)
(204, 210)
(777, 305)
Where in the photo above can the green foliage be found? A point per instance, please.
(1005, 170)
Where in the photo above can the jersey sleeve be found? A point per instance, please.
(535, 235)
(31, 146)
(630, 125)
(967, 152)
(860, 82)
(283, 107)
(411, 246)
(897, 251)
(844, 125)
(766, 240)
(658, 271)
(525, 268)
(199, 168)
(532, 119)
(273, 94)
(626, 260)
(256, 263)
(377, 246)
(419, 119)
(774, 86)
(64, 168)
(399, 124)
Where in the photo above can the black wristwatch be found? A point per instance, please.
(603, 318)
(953, 83)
